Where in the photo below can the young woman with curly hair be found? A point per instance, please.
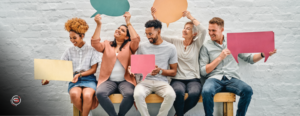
(85, 62)
(115, 61)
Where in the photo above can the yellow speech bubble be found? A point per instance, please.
(168, 11)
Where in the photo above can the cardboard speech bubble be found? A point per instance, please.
(169, 11)
(142, 64)
(251, 42)
(110, 7)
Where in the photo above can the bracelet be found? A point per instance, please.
(80, 75)
(261, 54)
(128, 24)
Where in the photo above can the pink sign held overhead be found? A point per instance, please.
(251, 42)
(142, 64)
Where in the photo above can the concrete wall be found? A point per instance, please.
(35, 29)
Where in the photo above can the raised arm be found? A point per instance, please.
(135, 38)
(201, 31)
(170, 40)
(95, 41)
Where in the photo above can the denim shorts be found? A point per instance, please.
(86, 81)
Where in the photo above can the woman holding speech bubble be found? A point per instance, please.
(85, 62)
(187, 78)
(115, 61)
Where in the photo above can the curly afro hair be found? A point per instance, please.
(76, 25)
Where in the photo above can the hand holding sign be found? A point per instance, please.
(251, 42)
(142, 64)
(169, 11)
(110, 7)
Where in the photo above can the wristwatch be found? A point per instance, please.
(80, 75)
(160, 71)
(262, 55)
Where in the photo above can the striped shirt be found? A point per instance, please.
(82, 58)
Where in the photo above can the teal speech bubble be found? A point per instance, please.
(110, 7)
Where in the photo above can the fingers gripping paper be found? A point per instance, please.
(142, 64)
(169, 11)
(251, 42)
(53, 70)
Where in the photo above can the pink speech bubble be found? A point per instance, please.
(251, 42)
(142, 64)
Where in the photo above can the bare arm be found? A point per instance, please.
(258, 57)
(166, 72)
(86, 73)
(135, 38)
(95, 41)
(211, 66)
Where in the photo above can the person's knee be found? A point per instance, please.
(170, 96)
(88, 96)
(75, 95)
(195, 93)
(207, 92)
(248, 91)
(128, 94)
(101, 94)
(179, 91)
(139, 95)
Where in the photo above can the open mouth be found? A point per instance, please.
(74, 43)
(151, 40)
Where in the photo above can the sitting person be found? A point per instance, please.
(115, 61)
(85, 62)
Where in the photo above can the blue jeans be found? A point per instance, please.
(213, 86)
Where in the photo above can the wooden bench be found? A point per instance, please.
(225, 97)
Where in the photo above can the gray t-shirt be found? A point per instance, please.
(165, 54)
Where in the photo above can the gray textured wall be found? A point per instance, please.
(35, 29)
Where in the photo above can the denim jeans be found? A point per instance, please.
(213, 86)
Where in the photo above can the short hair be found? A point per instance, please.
(76, 25)
(218, 21)
(153, 23)
(195, 30)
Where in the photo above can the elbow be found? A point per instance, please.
(173, 74)
(203, 71)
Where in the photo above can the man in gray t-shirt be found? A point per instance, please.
(165, 56)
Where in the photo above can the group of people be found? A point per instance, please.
(184, 60)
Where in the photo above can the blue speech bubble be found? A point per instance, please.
(110, 7)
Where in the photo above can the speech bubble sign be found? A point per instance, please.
(251, 42)
(169, 11)
(143, 64)
(110, 7)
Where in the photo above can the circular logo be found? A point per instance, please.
(15, 100)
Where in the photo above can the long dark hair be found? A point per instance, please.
(114, 43)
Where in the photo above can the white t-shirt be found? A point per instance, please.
(118, 72)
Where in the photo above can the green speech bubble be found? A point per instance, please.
(110, 7)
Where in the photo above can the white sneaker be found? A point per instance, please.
(90, 114)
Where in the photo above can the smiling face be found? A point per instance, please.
(215, 32)
(121, 34)
(152, 34)
(76, 39)
(187, 32)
